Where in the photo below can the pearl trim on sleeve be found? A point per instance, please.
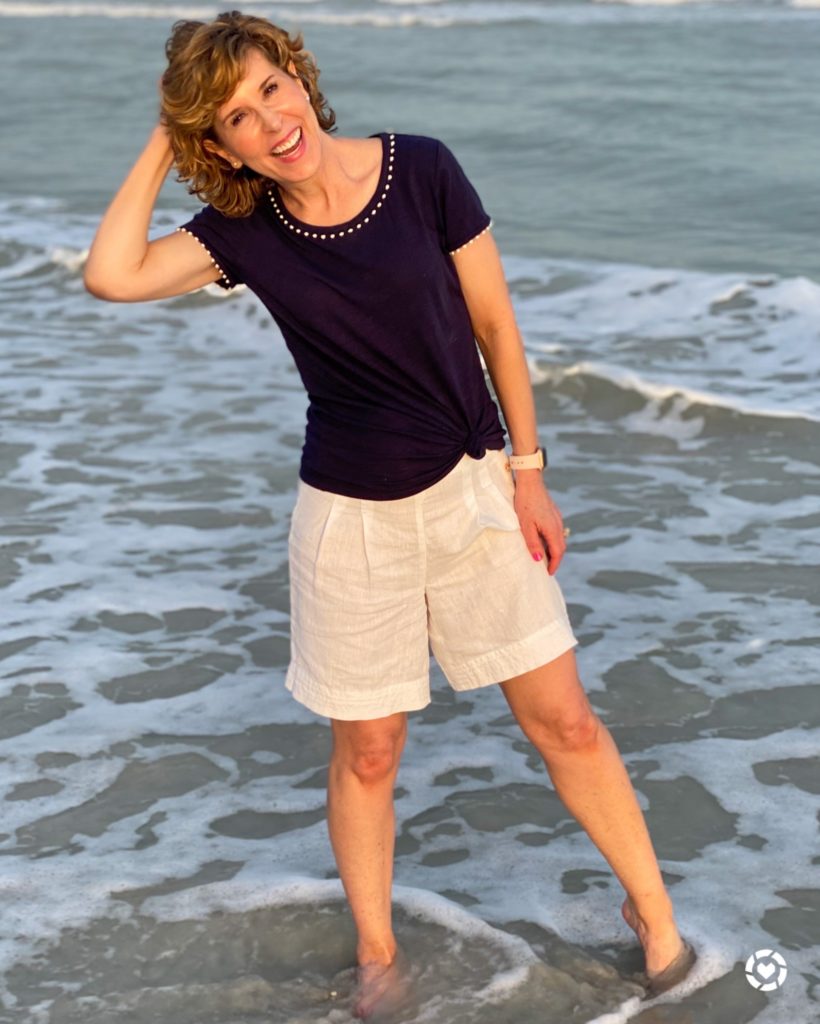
(353, 227)
(222, 273)
(472, 239)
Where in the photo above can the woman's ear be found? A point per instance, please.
(213, 147)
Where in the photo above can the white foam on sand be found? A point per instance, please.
(247, 893)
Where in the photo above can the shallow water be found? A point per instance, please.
(163, 850)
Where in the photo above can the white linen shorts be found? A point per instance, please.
(376, 585)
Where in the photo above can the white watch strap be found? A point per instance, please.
(534, 461)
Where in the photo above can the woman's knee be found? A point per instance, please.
(575, 732)
(371, 750)
(552, 707)
(572, 727)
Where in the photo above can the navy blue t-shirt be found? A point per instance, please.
(374, 317)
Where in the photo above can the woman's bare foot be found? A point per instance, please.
(660, 940)
(383, 990)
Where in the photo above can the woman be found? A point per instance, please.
(374, 256)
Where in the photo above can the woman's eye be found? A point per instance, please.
(236, 119)
(270, 87)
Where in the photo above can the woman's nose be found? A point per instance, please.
(271, 119)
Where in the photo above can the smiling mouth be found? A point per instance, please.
(290, 145)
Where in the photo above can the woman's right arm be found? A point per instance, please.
(122, 265)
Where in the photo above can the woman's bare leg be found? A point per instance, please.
(361, 823)
(589, 776)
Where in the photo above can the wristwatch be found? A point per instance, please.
(538, 460)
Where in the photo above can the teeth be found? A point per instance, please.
(286, 146)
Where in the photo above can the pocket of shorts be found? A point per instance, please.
(311, 522)
(494, 493)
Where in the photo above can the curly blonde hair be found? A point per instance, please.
(205, 65)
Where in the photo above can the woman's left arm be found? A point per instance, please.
(484, 286)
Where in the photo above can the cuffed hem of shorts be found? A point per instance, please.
(511, 660)
(409, 696)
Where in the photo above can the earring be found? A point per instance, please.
(236, 164)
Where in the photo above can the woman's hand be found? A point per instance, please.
(540, 520)
(161, 134)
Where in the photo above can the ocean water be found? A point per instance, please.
(652, 173)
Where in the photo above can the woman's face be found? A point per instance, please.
(268, 123)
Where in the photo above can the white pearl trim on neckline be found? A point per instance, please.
(484, 232)
(318, 233)
(222, 273)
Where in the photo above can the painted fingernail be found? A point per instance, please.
(537, 556)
